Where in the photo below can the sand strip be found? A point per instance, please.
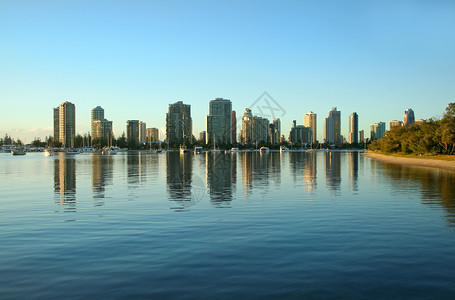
(414, 162)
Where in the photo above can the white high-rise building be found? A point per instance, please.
(332, 132)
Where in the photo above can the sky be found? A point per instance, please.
(134, 58)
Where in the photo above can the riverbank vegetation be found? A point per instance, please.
(431, 137)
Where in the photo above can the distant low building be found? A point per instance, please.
(300, 134)
(395, 123)
(152, 135)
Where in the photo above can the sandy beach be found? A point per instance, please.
(414, 162)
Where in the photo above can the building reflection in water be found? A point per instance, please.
(436, 187)
(333, 170)
(354, 170)
(102, 176)
(304, 168)
(184, 190)
(136, 169)
(65, 183)
(221, 177)
(255, 170)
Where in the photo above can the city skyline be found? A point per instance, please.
(377, 59)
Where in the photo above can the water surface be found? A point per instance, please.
(294, 225)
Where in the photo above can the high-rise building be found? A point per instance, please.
(97, 114)
(377, 131)
(395, 123)
(300, 134)
(142, 132)
(56, 124)
(132, 131)
(408, 117)
(332, 132)
(275, 131)
(309, 120)
(66, 123)
(254, 129)
(234, 127)
(203, 136)
(361, 136)
(101, 129)
(353, 128)
(152, 135)
(179, 124)
(219, 122)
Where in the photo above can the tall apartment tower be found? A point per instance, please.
(142, 132)
(132, 130)
(332, 132)
(179, 127)
(56, 124)
(353, 128)
(408, 117)
(234, 127)
(96, 115)
(275, 131)
(66, 120)
(152, 135)
(309, 120)
(254, 129)
(219, 122)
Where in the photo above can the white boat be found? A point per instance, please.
(17, 152)
(48, 152)
(234, 149)
(198, 150)
(283, 149)
(264, 150)
(72, 151)
(183, 149)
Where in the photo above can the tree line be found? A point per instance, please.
(430, 137)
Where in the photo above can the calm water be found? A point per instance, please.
(245, 225)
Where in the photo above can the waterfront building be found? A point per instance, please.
(254, 129)
(179, 128)
(419, 121)
(102, 129)
(219, 122)
(203, 136)
(97, 114)
(332, 132)
(66, 120)
(142, 132)
(353, 128)
(395, 123)
(152, 135)
(234, 127)
(132, 130)
(408, 117)
(377, 131)
(275, 131)
(361, 136)
(300, 134)
(56, 124)
(310, 120)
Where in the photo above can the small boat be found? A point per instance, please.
(48, 152)
(264, 150)
(198, 150)
(72, 151)
(17, 152)
(283, 149)
(183, 149)
(234, 149)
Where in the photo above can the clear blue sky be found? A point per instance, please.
(135, 57)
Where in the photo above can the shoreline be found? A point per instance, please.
(413, 162)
